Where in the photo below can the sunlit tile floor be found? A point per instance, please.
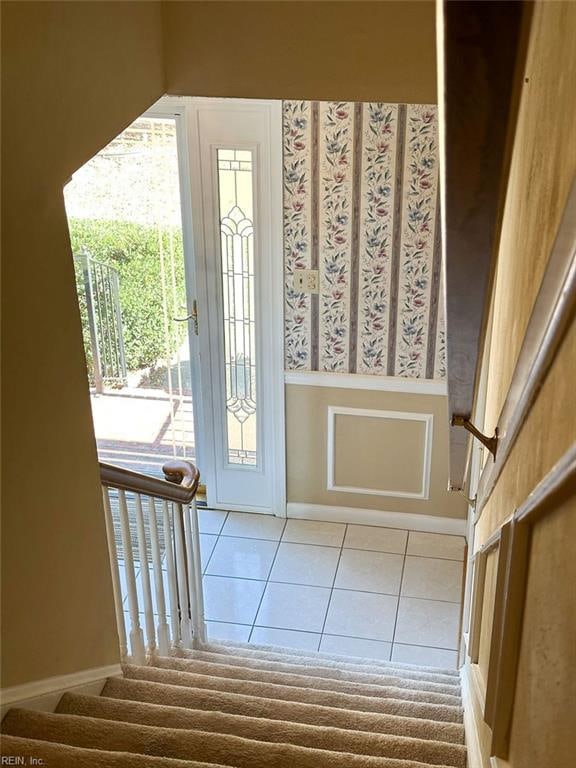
(352, 589)
(349, 589)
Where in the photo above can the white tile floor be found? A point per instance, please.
(351, 589)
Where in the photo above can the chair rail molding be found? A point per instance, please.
(375, 383)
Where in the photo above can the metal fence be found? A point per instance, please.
(99, 296)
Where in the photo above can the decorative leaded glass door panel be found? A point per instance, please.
(236, 203)
(235, 192)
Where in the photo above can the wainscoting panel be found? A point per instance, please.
(370, 450)
(398, 456)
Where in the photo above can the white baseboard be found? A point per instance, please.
(471, 704)
(45, 694)
(405, 520)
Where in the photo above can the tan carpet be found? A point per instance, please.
(65, 756)
(264, 729)
(350, 663)
(389, 704)
(232, 703)
(304, 677)
(324, 667)
(235, 705)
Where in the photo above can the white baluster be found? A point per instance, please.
(183, 595)
(172, 588)
(116, 587)
(194, 571)
(145, 576)
(163, 628)
(136, 634)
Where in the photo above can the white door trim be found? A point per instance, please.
(277, 328)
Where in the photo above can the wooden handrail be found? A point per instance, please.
(181, 483)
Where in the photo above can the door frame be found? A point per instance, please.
(181, 108)
(170, 107)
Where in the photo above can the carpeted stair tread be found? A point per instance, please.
(325, 667)
(65, 756)
(288, 711)
(254, 649)
(388, 688)
(383, 703)
(298, 656)
(266, 730)
(112, 735)
(251, 667)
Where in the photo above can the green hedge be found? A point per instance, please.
(134, 251)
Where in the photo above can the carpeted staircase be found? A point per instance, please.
(252, 707)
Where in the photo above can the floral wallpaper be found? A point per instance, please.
(361, 206)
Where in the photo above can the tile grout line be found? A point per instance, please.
(332, 588)
(267, 579)
(331, 634)
(338, 589)
(399, 595)
(251, 626)
(213, 548)
(331, 546)
(206, 567)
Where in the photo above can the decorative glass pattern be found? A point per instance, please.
(236, 213)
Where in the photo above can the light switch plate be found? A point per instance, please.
(306, 280)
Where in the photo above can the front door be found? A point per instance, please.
(176, 229)
(235, 169)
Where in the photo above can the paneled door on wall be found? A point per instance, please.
(236, 203)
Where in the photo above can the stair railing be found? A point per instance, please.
(153, 538)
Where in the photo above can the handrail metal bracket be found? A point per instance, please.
(490, 442)
(469, 501)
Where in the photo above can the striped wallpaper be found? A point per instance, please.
(361, 206)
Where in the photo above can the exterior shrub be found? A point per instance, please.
(150, 267)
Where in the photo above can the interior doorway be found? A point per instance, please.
(176, 234)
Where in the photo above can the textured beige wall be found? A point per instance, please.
(544, 722)
(306, 443)
(542, 170)
(73, 76)
(391, 452)
(336, 51)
